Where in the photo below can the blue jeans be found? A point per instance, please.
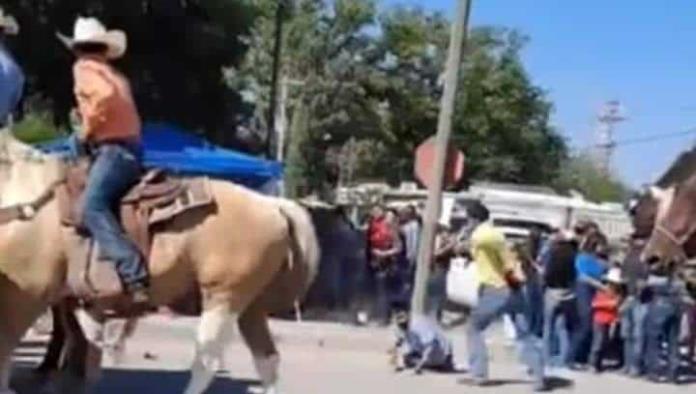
(691, 342)
(388, 287)
(437, 292)
(116, 168)
(494, 303)
(633, 333)
(662, 325)
(560, 316)
(534, 293)
(582, 335)
(600, 345)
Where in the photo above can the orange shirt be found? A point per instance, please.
(606, 307)
(105, 102)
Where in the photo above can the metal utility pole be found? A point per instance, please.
(610, 115)
(444, 129)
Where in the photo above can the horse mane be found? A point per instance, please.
(681, 170)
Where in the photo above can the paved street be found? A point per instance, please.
(317, 358)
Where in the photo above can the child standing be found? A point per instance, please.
(605, 309)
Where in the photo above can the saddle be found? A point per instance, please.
(155, 199)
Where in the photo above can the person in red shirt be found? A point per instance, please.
(385, 248)
(605, 308)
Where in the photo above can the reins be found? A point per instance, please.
(27, 211)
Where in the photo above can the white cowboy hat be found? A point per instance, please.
(8, 24)
(92, 31)
(614, 276)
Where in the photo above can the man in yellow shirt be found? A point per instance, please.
(491, 255)
(499, 294)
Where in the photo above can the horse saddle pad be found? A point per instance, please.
(155, 200)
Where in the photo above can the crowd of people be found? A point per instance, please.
(599, 313)
(574, 301)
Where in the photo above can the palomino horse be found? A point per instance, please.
(233, 254)
(68, 348)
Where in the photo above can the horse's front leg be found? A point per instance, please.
(56, 343)
(253, 325)
(93, 330)
(18, 311)
(5, 369)
(90, 339)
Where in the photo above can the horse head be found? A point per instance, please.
(672, 239)
(24, 170)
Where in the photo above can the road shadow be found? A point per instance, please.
(454, 371)
(147, 382)
(493, 382)
(557, 383)
(131, 382)
(552, 382)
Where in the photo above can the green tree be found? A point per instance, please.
(580, 173)
(375, 80)
(501, 119)
(36, 127)
(177, 51)
(325, 52)
(408, 57)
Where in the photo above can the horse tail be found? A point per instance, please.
(305, 249)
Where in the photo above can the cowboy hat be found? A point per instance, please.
(614, 276)
(92, 31)
(8, 24)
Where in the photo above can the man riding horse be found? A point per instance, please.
(110, 132)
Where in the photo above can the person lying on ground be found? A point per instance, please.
(421, 344)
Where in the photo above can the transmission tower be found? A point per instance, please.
(610, 115)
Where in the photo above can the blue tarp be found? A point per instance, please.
(183, 153)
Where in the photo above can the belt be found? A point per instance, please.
(134, 142)
(133, 146)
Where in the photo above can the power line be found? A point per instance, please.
(624, 142)
(654, 137)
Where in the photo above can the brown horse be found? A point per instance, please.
(644, 209)
(233, 254)
(673, 239)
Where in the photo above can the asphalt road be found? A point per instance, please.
(317, 358)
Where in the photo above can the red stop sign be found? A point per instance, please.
(425, 164)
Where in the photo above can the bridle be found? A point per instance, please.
(675, 240)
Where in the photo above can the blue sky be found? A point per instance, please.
(584, 53)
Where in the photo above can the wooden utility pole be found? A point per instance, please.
(281, 119)
(444, 129)
(275, 78)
